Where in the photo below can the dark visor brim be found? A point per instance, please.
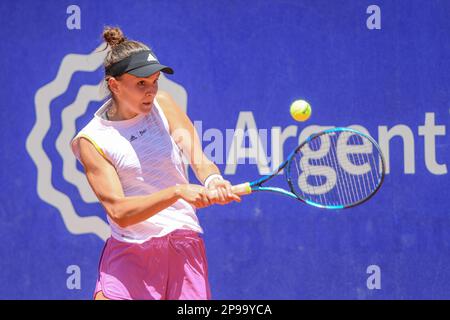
(148, 70)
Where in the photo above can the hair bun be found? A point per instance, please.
(113, 36)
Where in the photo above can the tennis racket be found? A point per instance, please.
(333, 169)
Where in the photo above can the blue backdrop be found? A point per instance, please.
(237, 64)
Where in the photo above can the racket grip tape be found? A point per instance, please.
(239, 189)
(242, 189)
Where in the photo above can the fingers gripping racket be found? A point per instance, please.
(334, 169)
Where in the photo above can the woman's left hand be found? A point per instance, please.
(224, 193)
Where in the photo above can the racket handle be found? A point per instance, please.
(242, 189)
(239, 189)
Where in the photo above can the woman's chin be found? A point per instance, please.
(145, 108)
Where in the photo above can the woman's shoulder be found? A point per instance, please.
(161, 94)
(171, 109)
(165, 100)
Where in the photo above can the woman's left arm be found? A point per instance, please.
(186, 137)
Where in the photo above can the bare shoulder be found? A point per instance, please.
(101, 175)
(163, 96)
(167, 103)
(90, 157)
(88, 154)
(175, 115)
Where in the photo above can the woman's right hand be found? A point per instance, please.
(196, 195)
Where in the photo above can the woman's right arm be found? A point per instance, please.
(126, 211)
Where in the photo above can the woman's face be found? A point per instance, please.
(135, 94)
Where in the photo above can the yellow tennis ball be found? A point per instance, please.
(300, 110)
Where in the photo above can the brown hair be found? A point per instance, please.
(120, 47)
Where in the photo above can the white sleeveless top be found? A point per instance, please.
(146, 160)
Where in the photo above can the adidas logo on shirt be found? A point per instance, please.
(141, 133)
(132, 138)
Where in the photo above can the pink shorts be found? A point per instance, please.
(171, 267)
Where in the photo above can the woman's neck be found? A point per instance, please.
(116, 113)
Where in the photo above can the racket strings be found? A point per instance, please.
(336, 169)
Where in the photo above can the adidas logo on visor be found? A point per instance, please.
(151, 58)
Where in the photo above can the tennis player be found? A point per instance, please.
(134, 164)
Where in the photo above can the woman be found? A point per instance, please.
(132, 152)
